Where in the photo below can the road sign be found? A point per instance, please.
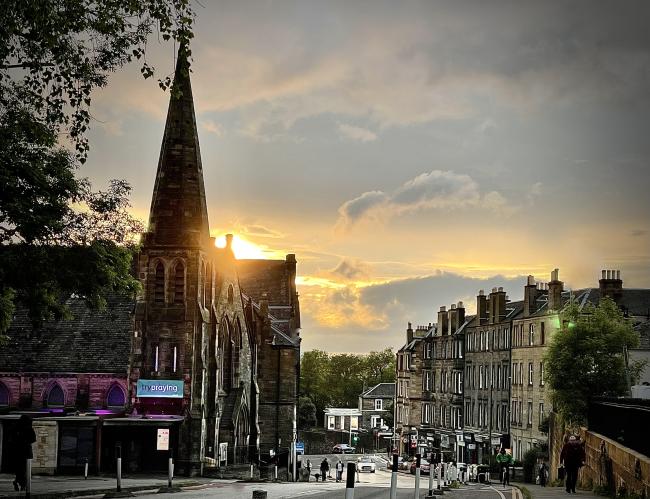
(162, 442)
(300, 447)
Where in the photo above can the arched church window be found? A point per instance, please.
(4, 395)
(55, 398)
(231, 294)
(115, 397)
(236, 353)
(159, 284)
(179, 283)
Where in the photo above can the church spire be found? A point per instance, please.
(179, 215)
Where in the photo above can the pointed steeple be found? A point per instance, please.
(179, 215)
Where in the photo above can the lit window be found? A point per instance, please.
(115, 397)
(174, 359)
(530, 373)
(155, 358)
(4, 395)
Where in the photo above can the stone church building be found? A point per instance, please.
(210, 353)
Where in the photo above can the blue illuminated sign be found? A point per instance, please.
(160, 388)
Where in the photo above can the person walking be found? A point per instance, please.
(24, 439)
(339, 471)
(324, 468)
(505, 461)
(543, 474)
(308, 468)
(572, 457)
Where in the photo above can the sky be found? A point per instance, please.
(408, 153)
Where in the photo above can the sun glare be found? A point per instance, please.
(243, 248)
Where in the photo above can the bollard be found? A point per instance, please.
(86, 469)
(417, 476)
(393, 479)
(170, 471)
(251, 471)
(118, 453)
(28, 484)
(431, 471)
(259, 494)
(275, 471)
(439, 476)
(349, 483)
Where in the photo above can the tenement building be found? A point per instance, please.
(487, 374)
(532, 333)
(468, 385)
(206, 355)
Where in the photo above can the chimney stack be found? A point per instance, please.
(555, 288)
(530, 297)
(460, 309)
(497, 305)
(453, 318)
(611, 284)
(481, 307)
(443, 321)
(409, 333)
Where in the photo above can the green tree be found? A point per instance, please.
(57, 237)
(337, 380)
(587, 358)
(389, 416)
(306, 413)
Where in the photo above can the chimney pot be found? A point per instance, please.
(460, 305)
(500, 289)
(618, 275)
(494, 290)
(229, 241)
(453, 306)
(481, 292)
(603, 274)
(443, 308)
(531, 280)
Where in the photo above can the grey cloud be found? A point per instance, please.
(436, 189)
(351, 269)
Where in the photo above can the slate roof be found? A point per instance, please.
(382, 390)
(92, 341)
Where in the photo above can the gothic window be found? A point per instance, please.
(56, 397)
(4, 395)
(179, 283)
(231, 294)
(236, 353)
(159, 284)
(115, 397)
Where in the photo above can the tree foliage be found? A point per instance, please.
(53, 54)
(57, 236)
(306, 413)
(587, 358)
(337, 380)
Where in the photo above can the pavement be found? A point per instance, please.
(539, 492)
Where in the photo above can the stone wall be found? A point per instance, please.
(46, 447)
(608, 465)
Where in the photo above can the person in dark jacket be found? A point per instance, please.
(572, 457)
(324, 468)
(24, 439)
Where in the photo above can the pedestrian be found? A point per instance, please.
(309, 466)
(324, 468)
(24, 438)
(572, 457)
(339, 471)
(505, 461)
(543, 474)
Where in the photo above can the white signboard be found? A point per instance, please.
(354, 422)
(223, 452)
(162, 442)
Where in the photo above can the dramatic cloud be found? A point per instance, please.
(445, 190)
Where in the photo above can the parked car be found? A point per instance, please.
(343, 449)
(400, 460)
(425, 467)
(365, 464)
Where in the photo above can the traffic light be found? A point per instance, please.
(355, 439)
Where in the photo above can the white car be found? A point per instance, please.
(365, 464)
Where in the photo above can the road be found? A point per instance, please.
(374, 485)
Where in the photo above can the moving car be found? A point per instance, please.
(365, 464)
(343, 449)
